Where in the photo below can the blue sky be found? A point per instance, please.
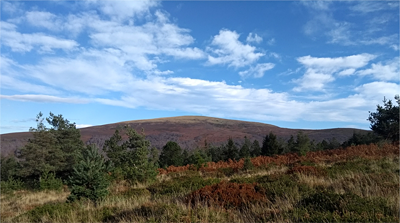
(302, 64)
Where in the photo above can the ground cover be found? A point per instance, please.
(356, 184)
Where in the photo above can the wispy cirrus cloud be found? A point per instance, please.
(258, 70)
(386, 71)
(25, 42)
(44, 98)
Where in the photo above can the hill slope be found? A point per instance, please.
(188, 131)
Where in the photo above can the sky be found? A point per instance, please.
(294, 64)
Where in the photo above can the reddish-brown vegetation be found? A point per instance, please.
(227, 194)
(371, 151)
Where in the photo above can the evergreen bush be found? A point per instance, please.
(90, 176)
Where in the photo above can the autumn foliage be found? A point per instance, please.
(371, 151)
(227, 194)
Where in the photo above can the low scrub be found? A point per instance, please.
(327, 206)
(228, 195)
(183, 184)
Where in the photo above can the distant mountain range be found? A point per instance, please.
(188, 131)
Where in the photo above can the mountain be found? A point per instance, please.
(188, 131)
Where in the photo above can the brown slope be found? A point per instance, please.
(188, 131)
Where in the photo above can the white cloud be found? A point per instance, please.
(320, 71)
(11, 7)
(253, 37)
(377, 90)
(44, 98)
(44, 19)
(79, 126)
(337, 63)
(347, 72)
(123, 10)
(258, 70)
(385, 72)
(229, 50)
(24, 42)
(313, 80)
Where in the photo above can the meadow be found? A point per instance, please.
(356, 184)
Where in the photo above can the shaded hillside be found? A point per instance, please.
(188, 131)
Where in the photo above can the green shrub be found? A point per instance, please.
(11, 185)
(50, 209)
(248, 165)
(50, 182)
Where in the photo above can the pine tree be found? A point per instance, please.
(89, 178)
(68, 139)
(385, 121)
(302, 145)
(115, 149)
(171, 154)
(132, 156)
(231, 151)
(42, 153)
(270, 145)
(245, 150)
(255, 149)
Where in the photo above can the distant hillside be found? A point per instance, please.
(188, 131)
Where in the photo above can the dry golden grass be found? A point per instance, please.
(22, 201)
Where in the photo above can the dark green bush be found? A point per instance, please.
(50, 182)
(11, 185)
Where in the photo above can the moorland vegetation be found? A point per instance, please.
(56, 178)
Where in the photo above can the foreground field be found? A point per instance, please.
(358, 184)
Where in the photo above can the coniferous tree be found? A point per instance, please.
(291, 144)
(245, 150)
(68, 139)
(270, 145)
(42, 153)
(215, 153)
(9, 167)
(255, 149)
(385, 121)
(115, 149)
(171, 154)
(132, 156)
(231, 151)
(89, 178)
(302, 145)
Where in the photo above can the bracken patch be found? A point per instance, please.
(228, 195)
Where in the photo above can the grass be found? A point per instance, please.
(344, 190)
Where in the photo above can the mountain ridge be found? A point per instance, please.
(188, 131)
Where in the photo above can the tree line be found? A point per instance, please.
(56, 155)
